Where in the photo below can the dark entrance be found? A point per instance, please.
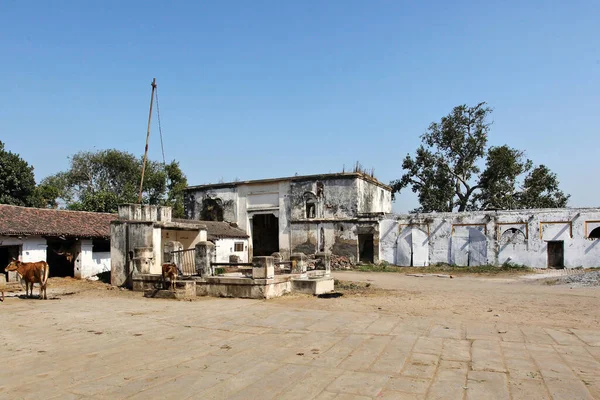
(556, 254)
(7, 253)
(60, 256)
(265, 234)
(365, 248)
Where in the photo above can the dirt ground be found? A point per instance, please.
(385, 336)
(509, 298)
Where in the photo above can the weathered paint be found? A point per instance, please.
(490, 237)
(341, 204)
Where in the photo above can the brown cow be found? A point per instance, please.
(169, 271)
(35, 272)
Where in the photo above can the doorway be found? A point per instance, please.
(7, 253)
(556, 254)
(265, 234)
(365, 248)
(60, 256)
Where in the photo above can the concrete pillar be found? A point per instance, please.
(143, 259)
(299, 265)
(325, 261)
(263, 268)
(276, 259)
(84, 261)
(204, 255)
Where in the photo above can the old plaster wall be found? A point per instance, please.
(226, 197)
(339, 203)
(476, 238)
(373, 198)
(187, 238)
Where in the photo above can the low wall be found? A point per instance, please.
(239, 287)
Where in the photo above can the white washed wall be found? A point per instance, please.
(226, 247)
(452, 237)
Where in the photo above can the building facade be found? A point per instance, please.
(546, 238)
(73, 243)
(336, 213)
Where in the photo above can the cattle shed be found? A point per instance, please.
(73, 243)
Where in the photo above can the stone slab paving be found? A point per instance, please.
(130, 348)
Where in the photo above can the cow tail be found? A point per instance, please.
(46, 274)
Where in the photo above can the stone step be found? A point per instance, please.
(167, 294)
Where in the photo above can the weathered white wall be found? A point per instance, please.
(226, 247)
(89, 263)
(475, 238)
(338, 208)
(100, 262)
(33, 248)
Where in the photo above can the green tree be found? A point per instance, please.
(100, 181)
(445, 172)
(540, 190)
(17, 182)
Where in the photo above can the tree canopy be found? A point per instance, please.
(17, 182)
(446, 171)
(100, 181)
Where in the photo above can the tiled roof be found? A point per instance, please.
(218, 230)
(16, 221)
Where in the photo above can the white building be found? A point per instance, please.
(336, 213)
(555, 238)
(74, 243)
(229, 241)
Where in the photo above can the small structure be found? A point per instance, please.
(73, 243)
(543, 238)
(334, 213)
(145, 236)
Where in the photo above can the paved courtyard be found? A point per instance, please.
(107, 344)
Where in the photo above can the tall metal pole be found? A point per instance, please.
(147, 140)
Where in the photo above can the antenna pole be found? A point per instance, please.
(147, 140)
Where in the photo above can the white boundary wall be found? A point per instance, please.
(475, 238)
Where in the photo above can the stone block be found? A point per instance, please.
(263, 268)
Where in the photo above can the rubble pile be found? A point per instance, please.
(341, 263)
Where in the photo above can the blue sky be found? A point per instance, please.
(259, 89)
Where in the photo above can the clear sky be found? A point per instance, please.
(258, 89)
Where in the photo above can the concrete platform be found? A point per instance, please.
(313, 286)
(236, 287)
(176, 294)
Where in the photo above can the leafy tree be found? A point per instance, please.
(540, 190)
(17, 182)
(446, 176)
(100, 181)
(498, 182)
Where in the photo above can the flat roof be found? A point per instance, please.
(298, 178)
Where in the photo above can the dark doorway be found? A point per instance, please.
(595, 234)
(7, 253)
(556, 254)
(60, 256)
(265, 234)
(365, 248)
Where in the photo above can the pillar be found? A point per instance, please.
(325, 261)
(204, 255)
(263, 268)
(299, 265)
